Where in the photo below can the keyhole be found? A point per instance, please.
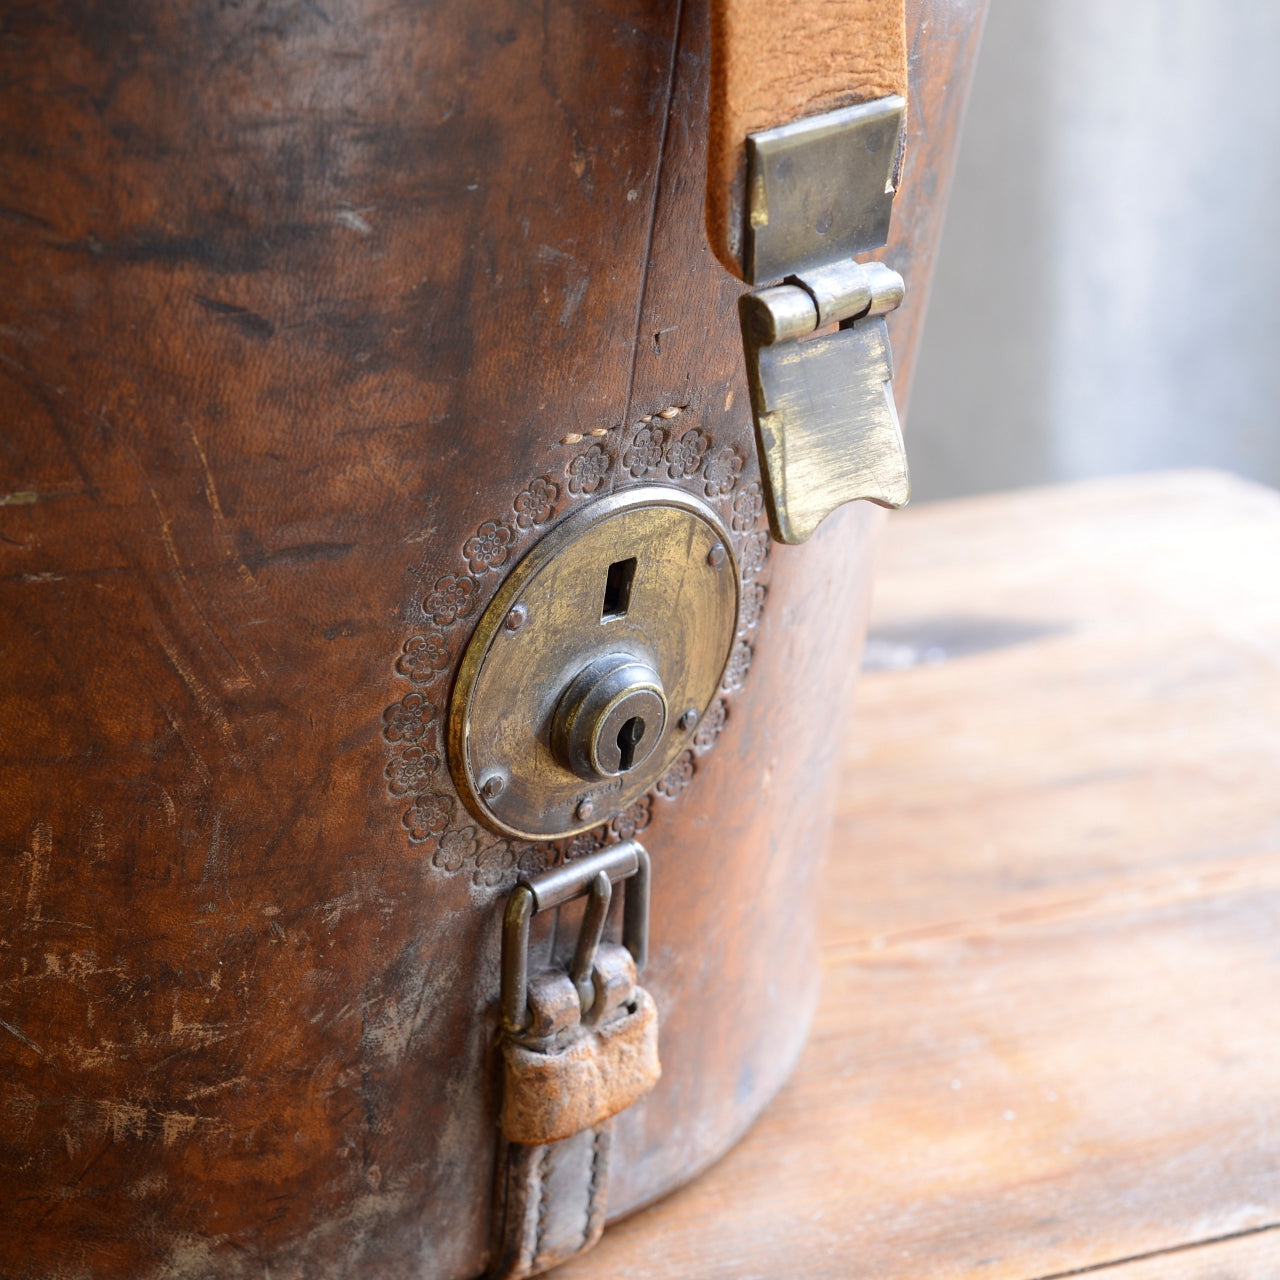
(617, 589)
(629, 738)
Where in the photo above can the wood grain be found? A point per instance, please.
(1250, 1257)
(1048, 1034)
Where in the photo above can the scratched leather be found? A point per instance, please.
(287, 312)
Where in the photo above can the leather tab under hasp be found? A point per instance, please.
(587, 1073)
(773, 64)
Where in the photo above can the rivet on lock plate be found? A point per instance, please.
(817, 346)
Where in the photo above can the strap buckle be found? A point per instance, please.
(594, 875)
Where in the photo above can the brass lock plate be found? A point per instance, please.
(589, 671)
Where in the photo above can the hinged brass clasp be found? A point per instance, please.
(826, 425)
(817, 347)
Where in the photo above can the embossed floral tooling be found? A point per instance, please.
(409, 719)
(631, 821)
(587, 471)
(748, 507)
(755, 551)
(735, 674)
(427, 817)
(453, 598)
(709, 728)
(720, 472)
(487, 551)
(684, 455)
(750, 608)
(494, 864)
(674, 781)
(456, 849)
(645, 453)
(535, 504)
(410, 771)
(437, 825)
(424, 658)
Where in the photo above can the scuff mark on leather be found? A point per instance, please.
(248, 322)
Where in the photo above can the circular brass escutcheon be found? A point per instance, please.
(625, 613)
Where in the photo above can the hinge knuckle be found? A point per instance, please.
(840, 290)
(778, 314)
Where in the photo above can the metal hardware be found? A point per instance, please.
(826, 425)
(584, 955)
(610, 718)
(627, 861)
(821, 189)
(827, 430)
(577, 1048)
(626, 623)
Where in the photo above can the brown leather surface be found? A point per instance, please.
(294, 305)
(554, 1201)
(548, 1096)
(775, 63)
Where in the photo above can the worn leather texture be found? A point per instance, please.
(772, 64)
(552, 1095)
(312, 321)
(554, 1200)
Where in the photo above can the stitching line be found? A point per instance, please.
(593, 1188)
(544, 1199)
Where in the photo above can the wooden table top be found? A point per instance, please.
(1049, 1038)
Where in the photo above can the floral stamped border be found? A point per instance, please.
(658, 449)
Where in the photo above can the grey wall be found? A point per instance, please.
(1107, 296)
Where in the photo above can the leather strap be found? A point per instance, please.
(551, 1190)
(553, 1201)
(773, 63)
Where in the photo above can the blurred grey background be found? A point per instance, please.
(1107, 296)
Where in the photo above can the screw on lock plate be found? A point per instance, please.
(820, 191)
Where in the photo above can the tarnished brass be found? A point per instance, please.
(626, 613)
(820, 189)
(826, 426)
(627, 861)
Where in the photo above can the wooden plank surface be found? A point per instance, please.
(1238, 1259)
(1049, 1039)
